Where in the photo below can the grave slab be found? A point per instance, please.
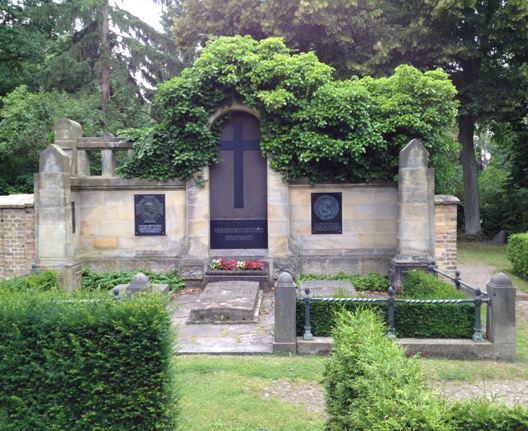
(328, 288)
(227, 302)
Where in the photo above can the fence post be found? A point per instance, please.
(500, 325)
(477, 329)
(390, 300)
(457, 279)
(307, 325)
(285, 315)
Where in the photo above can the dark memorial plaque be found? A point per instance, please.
(149, 211)
(239, 234)
(327, 213)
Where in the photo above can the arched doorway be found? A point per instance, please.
(238, 188)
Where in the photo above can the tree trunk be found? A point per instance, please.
(466, 129)
(105, 57)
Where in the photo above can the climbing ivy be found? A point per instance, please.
(311, 125)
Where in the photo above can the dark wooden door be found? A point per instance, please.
(238, 184)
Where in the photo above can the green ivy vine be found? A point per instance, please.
(312, 125)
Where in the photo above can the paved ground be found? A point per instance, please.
(246, 338)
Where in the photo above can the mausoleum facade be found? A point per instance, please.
(239, 208)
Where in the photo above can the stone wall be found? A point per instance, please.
(17, 235)
(370, 228)
(445, 252)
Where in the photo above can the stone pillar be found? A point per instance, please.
(108, 163)
(445, 252)
(53, 216)
(416, 200)
(285, 315)
(67, 133)
(196, 247)
(500, 322)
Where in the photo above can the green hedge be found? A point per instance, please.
(372, 281)
(518, 254)
(85, 365)
(411, 320)
(37, 281)
(371, 385)
(92, 280)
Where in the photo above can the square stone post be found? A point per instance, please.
(285, 315)
(54, 236)
(67, 133)
(416, 210)
(500, 322)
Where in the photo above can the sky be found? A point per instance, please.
(146, 10)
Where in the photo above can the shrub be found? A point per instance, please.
(370, 385)
(518, 254)
(39, 281)
(484, 415)
(372, 281)
(85, 365)
(92, 280)
(421, 285)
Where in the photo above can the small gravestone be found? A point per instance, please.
(500, 238)
(328, 288)
(139, 283)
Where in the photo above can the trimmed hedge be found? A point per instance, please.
(92, 280)
(371, 385)
(411, 320)
(38, 281)
(518, 254)
(85, 365)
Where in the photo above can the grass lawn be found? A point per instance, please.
(245, 393)
(489, 254)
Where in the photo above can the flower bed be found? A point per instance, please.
(236, 265)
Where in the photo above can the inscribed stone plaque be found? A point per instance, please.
(327, 214)
(149, 213)
(239, 234)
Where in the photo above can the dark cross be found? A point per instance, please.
(238, 145)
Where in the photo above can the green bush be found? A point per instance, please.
(483, 415)
(372, 281)
(92, 280)
(421, 285)
(85, 365)
(411, 320)
(38, 281)
(518, 254)
(370, 385)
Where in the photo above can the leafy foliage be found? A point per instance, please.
(421, 285)
(485, 415)
(105, 281)
(40, 281)
(311, 125)
(77, 365)
(518, 254)
(371, 385)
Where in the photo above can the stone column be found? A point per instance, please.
(416, 200)
(54, 236)
(67, 133)
(445, 252)
(285, 315)
(196, 247)
(500, 322)
(279, 247)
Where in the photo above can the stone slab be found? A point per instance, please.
(328, 288)
(226, 302)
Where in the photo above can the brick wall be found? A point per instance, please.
(445, 253)
(17, 235)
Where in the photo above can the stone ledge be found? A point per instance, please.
(17, 201)
(446, 200)
(118, 183)
(429, 348)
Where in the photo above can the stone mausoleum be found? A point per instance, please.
(237, 208)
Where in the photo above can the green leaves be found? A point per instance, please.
(311, 125)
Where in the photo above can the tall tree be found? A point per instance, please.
(480, 43)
